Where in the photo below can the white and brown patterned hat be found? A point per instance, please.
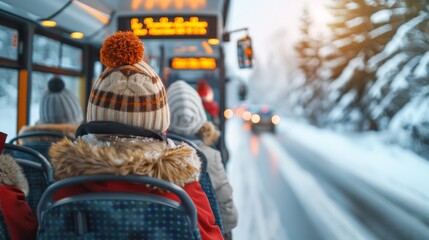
(128, 91)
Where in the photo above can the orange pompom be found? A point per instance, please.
(121, 48)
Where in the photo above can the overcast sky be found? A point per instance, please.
(265, 18)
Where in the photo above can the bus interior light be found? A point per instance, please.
(77, 35)
(49, 23)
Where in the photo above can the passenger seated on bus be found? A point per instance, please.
(60, 112)
(20, 220)
(130, 92)
(189, 120)
(210, 105)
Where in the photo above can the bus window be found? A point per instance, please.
(8, 101)
(8, 43)
(98, 69)
(40, 85)
(46, 51)
(71, 57)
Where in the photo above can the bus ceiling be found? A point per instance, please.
(95, 19)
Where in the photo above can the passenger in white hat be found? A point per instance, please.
(189, 120)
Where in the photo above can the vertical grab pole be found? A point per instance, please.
(90, 54)
(162, 64)
(25, 72)
(222, 105)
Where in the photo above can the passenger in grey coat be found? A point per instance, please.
(188, 119)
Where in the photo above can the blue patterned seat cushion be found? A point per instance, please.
(110, 219)
(37, 183)
(4, 232)
(41, 147)
(36, 178)
(207, 187)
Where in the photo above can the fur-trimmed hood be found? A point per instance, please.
(209, 133)
(11, 174)
(63, 128)
(124, 155)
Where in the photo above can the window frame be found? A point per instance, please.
(6, 62)
(61, 40)
(24, 64)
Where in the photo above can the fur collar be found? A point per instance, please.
(64, 128)
(125, 155)
(209, 133)
(11, 174)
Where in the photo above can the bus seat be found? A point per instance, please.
(36, 168)
(205, 180)
(4, 232)
(112, 215)
(43, 142)
(207, 186)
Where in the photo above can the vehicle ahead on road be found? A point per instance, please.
(263, 119)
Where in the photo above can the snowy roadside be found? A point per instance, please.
(332, 221)
(255, 220)
(400, 172)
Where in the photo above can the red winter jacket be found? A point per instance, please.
(20, 220)
(93, 154)
(206, 219)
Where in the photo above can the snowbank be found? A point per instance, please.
(368, 156)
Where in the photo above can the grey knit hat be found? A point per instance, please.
(59, 105)
(187, 114)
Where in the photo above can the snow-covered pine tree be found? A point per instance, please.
(399, 96)
(350, 32)
(353, 45)
(309, 63)
(395, 64)
(308, 49)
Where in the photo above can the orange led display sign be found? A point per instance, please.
(170, 26)
(193, 63)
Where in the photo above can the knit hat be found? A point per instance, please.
(186, 108)
(128, 91)
(205, 91)
(59, 105)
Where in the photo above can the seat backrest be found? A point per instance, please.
(43, 142)
(36, 168)
(4, 232)
(205, 180)
(41, 147)
(112, 215)
(40, 135)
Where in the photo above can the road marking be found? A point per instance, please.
(331, 221)
(256, 220)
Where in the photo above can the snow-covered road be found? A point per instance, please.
(290, 186)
